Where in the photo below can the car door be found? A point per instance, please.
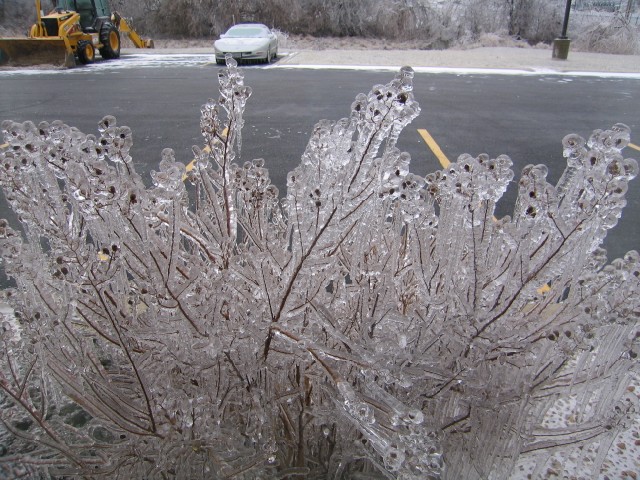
(273, 43)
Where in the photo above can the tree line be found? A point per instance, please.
(437, 23)
(433, 24)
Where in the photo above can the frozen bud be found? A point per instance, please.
(573, 142)
(393, 458)
(230, 61)
(361, 411)
(630, 168)
(106, 123)
(414, 416)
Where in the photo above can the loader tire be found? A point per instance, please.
(86, 52)
(110, 40)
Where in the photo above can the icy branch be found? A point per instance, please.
(370, 322)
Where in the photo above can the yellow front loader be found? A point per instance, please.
(74, 29)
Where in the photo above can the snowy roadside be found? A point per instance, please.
(532, 60)
(507, 60)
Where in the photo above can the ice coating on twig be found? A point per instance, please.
(372, 323)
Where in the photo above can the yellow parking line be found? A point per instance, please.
(435, 148)
(101, 256)
(444, 161)
(544, 289)
(206, 149)
(192, 163)
(634, 146)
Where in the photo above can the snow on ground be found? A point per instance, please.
(492, 54)
(493, 60)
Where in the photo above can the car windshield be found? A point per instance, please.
(245, 32)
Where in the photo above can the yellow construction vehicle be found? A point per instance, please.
(73, 29)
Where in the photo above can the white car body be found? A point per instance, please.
(247, 42)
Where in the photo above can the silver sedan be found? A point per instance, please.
(247, 42)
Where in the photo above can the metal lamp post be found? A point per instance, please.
(561, 44)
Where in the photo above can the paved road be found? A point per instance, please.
(522, 116)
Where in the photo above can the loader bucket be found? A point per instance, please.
(24, 52)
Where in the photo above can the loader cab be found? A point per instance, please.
(93, 13)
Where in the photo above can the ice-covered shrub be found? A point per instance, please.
(532, 21)
(608, 34)
(372, 323)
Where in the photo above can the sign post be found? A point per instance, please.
(561, 44)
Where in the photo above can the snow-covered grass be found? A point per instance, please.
(605, 32)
